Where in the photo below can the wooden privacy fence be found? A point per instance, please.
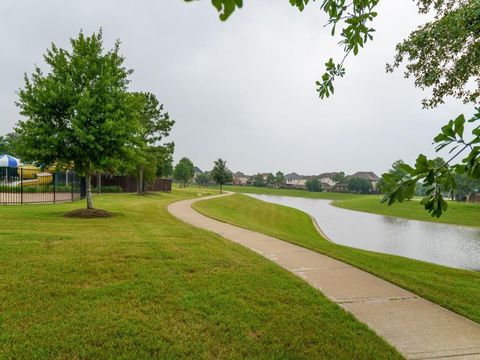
(129, 183)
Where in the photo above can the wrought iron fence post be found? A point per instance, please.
(71, 182)
(54, 187)
(21, 186)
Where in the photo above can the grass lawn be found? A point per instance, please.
(290, 192)
(457, 213)
(458, 290)
(144, 285)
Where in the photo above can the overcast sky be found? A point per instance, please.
(244, 90)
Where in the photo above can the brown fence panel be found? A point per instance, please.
(129, 183)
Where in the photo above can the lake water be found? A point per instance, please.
(450, 245)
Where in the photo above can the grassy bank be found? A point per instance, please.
(458, 290)
(290, 192)
(457, 213)
(144, 285)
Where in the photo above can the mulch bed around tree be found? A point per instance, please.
(88, 214)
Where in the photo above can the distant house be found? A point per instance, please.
(327, 178)
(295, 181)
(326, 186)
(368, 175)
(240, 178)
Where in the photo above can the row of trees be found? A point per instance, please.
(185, 171)
(269, 180)
(82, 113)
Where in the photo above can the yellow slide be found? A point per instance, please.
(34, 175)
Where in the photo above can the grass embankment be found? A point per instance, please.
(458, 290)
(144, 285)
(290, 192)
(457, 213)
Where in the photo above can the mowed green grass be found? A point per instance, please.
(290, 192)
(457, 213)
(458, 290)
(144, 285)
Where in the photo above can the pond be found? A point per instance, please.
(450, 245)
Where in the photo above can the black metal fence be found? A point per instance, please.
(28, 185)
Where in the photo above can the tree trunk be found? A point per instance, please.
(88, 188)
(99, 183)
(140, 180)
(220, 188)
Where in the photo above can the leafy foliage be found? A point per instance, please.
(155, 124)
(339, 176)
(203, 179)
(8, 144)
(313, 185)
(439, 176)
(444, 54)
(220, 174)
(80, 111)
(279, 179)
(270, 181)
(258, 180)
(358, 185)
(184, 171)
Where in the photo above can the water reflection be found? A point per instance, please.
(451, 245)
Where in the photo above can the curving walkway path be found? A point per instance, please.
(418, 328)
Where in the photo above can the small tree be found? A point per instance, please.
(184, 171)
(80, 111)
(279, 179)
(202, 179)
(338, 177)
(270, 180)
(258, 180)
(313, 185)
(220, 174)
(359, 185)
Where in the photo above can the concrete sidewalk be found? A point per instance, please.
(418, 328)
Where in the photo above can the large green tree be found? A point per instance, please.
(220, 174)
(79, 111)
(155, 125)
(184, 171)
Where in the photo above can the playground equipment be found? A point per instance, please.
(32, 176)
(41, 179)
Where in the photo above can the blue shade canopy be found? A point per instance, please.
(9, 161)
